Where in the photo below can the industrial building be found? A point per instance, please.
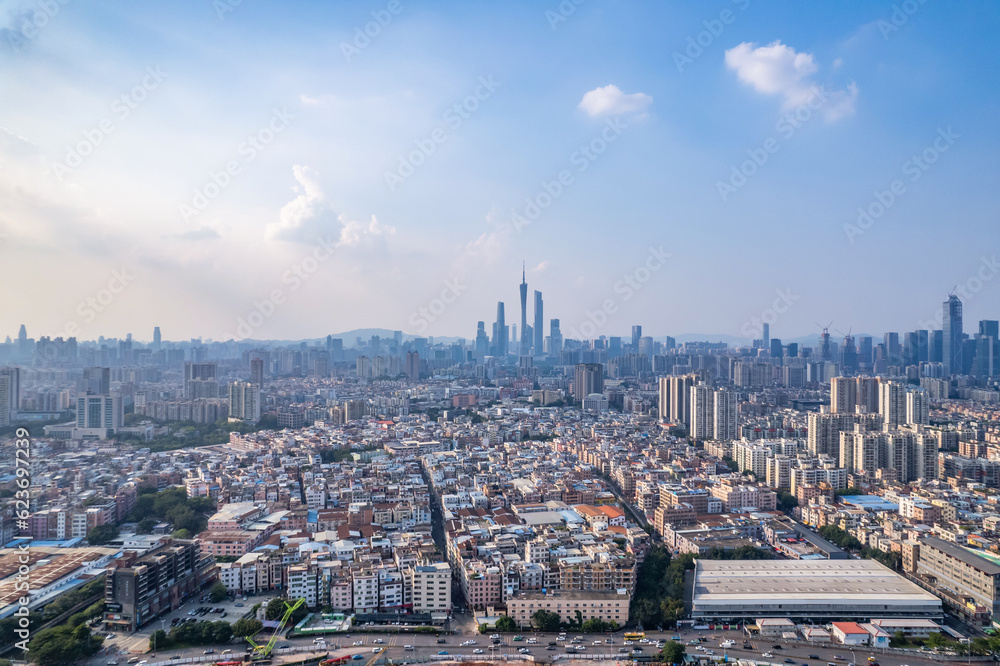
(817, 589)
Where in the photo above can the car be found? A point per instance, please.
(133, 660)
(675, 638)
(379, 641)
(775, 647)
(551, 647)
(175, 656)
(494, 636)
(747, 646)
(581, 648)
(700, 647)
(597, 643)
(113, 662)
(838, 657)
(629, 642)
(238, 605)
(477, 651)
(560, 638)
(442, 652)
(441, 641)
(355, 642)
(226, 651)
(524, 650)
(284, 646)
(519, 637)
(767, 655)
(814, 656)
(623, 649)
(789, 661)
(376, 649)
(209, 651)
(358, 657)
(552, 643)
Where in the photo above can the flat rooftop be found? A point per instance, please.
(840, 582)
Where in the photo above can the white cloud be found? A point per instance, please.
(310, 215)
(611, 101)
(777, 69)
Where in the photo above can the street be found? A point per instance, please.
(423, 645)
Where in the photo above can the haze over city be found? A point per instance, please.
(324, 126)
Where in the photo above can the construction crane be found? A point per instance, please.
(264, 651)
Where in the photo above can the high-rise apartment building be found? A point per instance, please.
(588, 379)
(244, 401)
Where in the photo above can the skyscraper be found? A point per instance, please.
(96, 381)
(767, 336)
(257, 371)
(500, 333)
(539, 327)
(10, 394)
(555, 338)
(664, 402)
(525, 342)
(636, 336)
(952, 337)
(413, 365)
(156, 339)
(589, 378)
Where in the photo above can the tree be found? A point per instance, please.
(936, 640)
(63, 645)
(787, 501)
(672, 652)
(222, 632)
(275, 609)
(596, 625)
(218, 592)
(506, 623)
(158, 640)
(146, 525)
(247, 627)
(544, 620)
(102, 534)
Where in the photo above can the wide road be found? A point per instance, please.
(423, 645)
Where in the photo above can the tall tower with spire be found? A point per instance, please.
(525, 340)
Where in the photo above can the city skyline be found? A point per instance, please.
(754, 152)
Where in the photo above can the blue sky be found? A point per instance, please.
(309, 120)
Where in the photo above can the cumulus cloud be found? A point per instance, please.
(611, 101)
(310, 215)
(777, 69)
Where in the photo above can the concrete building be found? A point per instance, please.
(571, 606)
(806, 589)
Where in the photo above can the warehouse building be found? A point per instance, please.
(732, 590)
(960, 572)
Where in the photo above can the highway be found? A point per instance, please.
(424, 645)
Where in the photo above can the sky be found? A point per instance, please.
(247, 169)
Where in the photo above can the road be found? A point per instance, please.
(394, 644)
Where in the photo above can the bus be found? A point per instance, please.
(633, 636)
